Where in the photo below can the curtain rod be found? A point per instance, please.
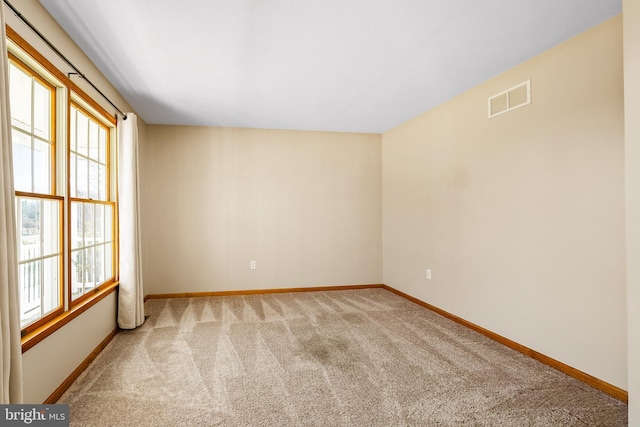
(64, 58)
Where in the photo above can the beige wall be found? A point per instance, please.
(49, 363)
(304, 205)
(521, 217)
(631, 22)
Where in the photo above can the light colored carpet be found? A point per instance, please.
(333, 358)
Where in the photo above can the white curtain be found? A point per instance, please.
(131, 294)
(10, 347)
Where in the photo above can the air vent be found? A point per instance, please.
(515, 97)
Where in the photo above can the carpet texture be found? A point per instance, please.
(333, 358)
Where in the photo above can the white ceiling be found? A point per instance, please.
(339, 65)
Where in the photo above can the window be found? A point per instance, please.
(38, 208)
(91, 212)
(65, 203)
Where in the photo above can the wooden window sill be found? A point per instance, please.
(34, 337)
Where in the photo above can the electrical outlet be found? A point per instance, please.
(253, 265)
(428, 273)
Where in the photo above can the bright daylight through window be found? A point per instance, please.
(65, 206)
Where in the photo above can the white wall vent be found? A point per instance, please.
(512, 98)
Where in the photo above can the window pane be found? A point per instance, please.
(88, 282)
(82, 175)
(72, 174)
(83, 264)
(42, 167)
(108, 261)
(94, 181)
(77, 268)
(103, 146)
(41, 111)
(99, 271)
(77, 239)
(51, 286)
(22, 161)
(20, 95)
(50, 227)
(88, 224)
(94, 145)
(72, 131)
(29, 229)
(29, 278)
(99, 222)
(103, 183)
(82, 133)
(108, 224)
(89, 269)
(82, 224)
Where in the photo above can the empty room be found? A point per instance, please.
(355, 213)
